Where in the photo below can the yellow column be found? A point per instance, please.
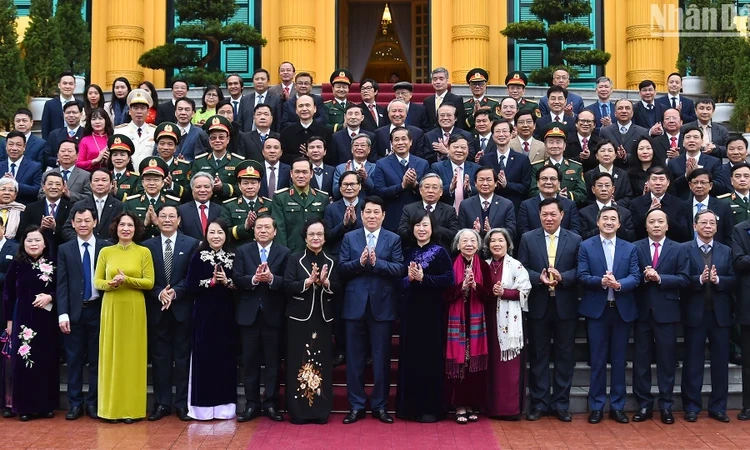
(646, 51)
(470, 37)
(125, 40)
(297, 35)
(615, 42)
(498, 48)
(325, 40)
(155, 22)
(441, 52)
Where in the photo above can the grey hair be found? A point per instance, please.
(506, 235)
(198, 175)
(430, 175)
(395, 100)
(438, 70)
(11, 181)
(604, 80)
(362, 135)
(457, 238)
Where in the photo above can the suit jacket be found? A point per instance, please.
(589, 228)
(327, 185)
(255, 146)
(333, 217)
(623, 189)
(678, 216)
(283, 178)
(436, 135)
(573, 150)
(79, 183)
(596, 109)
(568, 124)
(368, 186)
(662, 299)
(693, 297)
(70, 284)
(741, 263)
(501, 214)
(38, 209)
(725, 221)
(573, 98)
(532, 253)
(719, 136)
(369, 123)
(528, 215)
(446, 224)
(662, 143)
(182, 252)
(112, 207)
(387, 179)
(537, 150)
(52, 116)
(268, 296)
(629, 140)
(190, 144)
(376, 285)
(453, 99)
(28, 176)
(247, 109)
(294, 135)
(55, 138)
(416, 116)
(476, 146)
(165, 112)
(190, 222)
(643, 118)
(340, 150)
(381, 145)
(517, 172)
(289, 112)
(687, 111)
(592, 264)
(35, 148)
(679, 186)
(444, 168)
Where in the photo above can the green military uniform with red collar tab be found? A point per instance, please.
(290, 211)
(128, 185)
(479, 75)
(139, 206)
(180, 171)
(334, 108)
(225, 170)
(239, 209)
(740, 208)
(571, 173)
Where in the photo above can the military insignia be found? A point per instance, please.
(498, 110)
(229, 167)
(118, 140)
(555, 130)
(177, 172)
(516, 76)
(342, 74)
(168, 128)
(537, 113)
(262, 210)
(124, 186)
(138, 95)
(216, 121)
(292, 204)
(570, 172)
(317, 203)
(152, 163)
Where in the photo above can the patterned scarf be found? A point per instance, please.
(457, 354)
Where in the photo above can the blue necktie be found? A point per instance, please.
(263, 255)
(13, 169)
(371, 241)
(234, 108)
(65, 174)
(86, 272)
(605, 110)
(609, 256)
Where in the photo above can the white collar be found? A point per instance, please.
(267, 247)
(560, 115)
(553, 162)
(658, 198)
(403, 159)
(603, 169)
(661, 243)
(376, 233)
(704, 202)
(268, 166)
(556, 234)
(354, 203)
(172, 238)
(305, 126)
(488, 199)
(646, 105)
(626, 126)
(441, 95)
(614, 240)
(186, 128)
(487, 136)
(450, 132)
(425, 205)
(198, 205)
(454, 166)
(601, 205)
(701, 243)
(103, 199)
(91, 241)
(247, 200)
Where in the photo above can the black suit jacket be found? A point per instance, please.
(7, 252)
(741, 258)
(52, 116)
(70, 277)
(662, 144)
(623, 189)
(568, 124)
(270, 297)
(327, 185)
(532, 253)
(573, 151)
(381, 145)
(289, 112)
(333, 217)
(687, 111)
(446, 224)
(662, 299)
(369, 123)
(693, 297)
(247, 110)
(283, 178)
(417, 117)
(643, 118)
(501, 214)
(589, 227)
(55, 138)
(436, 135)
(725, 221)
(453, 99)
(112, 207)
(517, 172)
(678, 216)
(341, 145)
(38, 209)
(165, 112)
(254, 147)
(528, 215)
(182, 250)
(679, 186)
(294, 135)
(190, 221)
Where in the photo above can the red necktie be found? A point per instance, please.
(286, 92)
(372, 111)
(673, 142)
(204, 219)
(353, 134)
(526, 147)
(585, 143)
(655, 261)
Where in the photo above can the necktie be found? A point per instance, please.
(303, 196)
(693, 161)
(706, 134)
(483, 143)
(251, 206)
(650, 107)
(99, 209)
(706, 248)
(168, 253)
(272, 182)
(459, 194)
(65, 174)
(485, 205)
(655, 260)
(353, 134)
(140, 132)
(234, 107)
(318, 171)
(71, 134)
(623, 130)
(605, 110)
(699, 207)
(13, 169)
(259, 99)
(372, 111)
(152, 201)
(4, 215)
(438, 102)
(608, 253)
(286, 92)
(404, 162)
(556, 165)
(557, 118)
(117, 177)
(86, 262)
(263, 255)
(204, 219)
(184, 132)
(52, 207)
(674, 102)
(673, 142)
(446, 138)
(501, 162)
(371, 241)
(551, 250)
(585, 142)
(526, 147)
(263, 138)
(428, 208)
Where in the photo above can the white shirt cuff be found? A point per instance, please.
(63, 318)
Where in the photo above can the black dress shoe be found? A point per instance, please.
(274, 414)
(744, 414)
(47, 415)
(691, 417)
(74, 412)
(666, 416)
(643, 415)
(618, 416)
(382, 415)
(354, 415)
(248, 414)
(735, 358)
(563, 415)
(8, 413)
(25, 417)
(182, 413)
(159, 413)
(719, 416)
(91, 411)
(534, 415)
(595, 416)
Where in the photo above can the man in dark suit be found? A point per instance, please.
(604, 188)
(8, 250)
(51, 212)
(707, 312)
(52, 115)
(294, 136)
(741, 263)
(681, 166)
(513, 168)
(550, 254)
(277, 174)
(260, 96)
(700, 182)
(561, 78)
(105, 205)
(27, 173)
(604, 108)
(647, 113)
(303, 83)
(165, 112)
(322, 174)
(381, 146)
(442, 96)
(361, 146)
(35, 147)
(669, 144)
(415, 112)
(624, 133)
(456, 173)
(736, 154)
(71, 131)
(374, 116)
(436, 141)
(446, 220)
(605, 156)
(715, 135)
(487, 210)
(557, 98)
(397, 176)
(609, 273)
(665, 272)
(79, 309)
(548, 182)
(259, 275)
(342, 140)
(193, 140)
(169, 309)
(582, 145)
(675, 100)
(263, 121)
(197, 214)
(483, 142)
(371, 263)
(678, 211)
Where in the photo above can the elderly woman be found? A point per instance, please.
(467, 347)
(10, 209)
(510, 288)
(420, 366)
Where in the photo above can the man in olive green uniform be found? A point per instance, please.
(572, 184)
(340, 82)
(739, 200)
(153, 171)
(477, 80)
(293, 206)
(516, 82)
(219, 163)
(167, 138)
(127, 182)
(247, 206)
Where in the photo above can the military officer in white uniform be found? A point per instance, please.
(140, 132)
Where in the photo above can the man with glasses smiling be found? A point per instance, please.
(548, 186)
(219, 163)
(303, 83)
(574, 106)
(361, 144)
(524, 141)
(375, 116)
(581, 145)
(571, 181)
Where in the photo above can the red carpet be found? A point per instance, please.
(371, 434)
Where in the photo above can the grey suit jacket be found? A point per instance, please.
(79, 184)
(247, 107)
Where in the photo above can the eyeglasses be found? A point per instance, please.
(366, 88)
(349, 185)
(585, 121)
(546, 179)
(603, 186)
(700, 182)
(211, 94)
(704, 223)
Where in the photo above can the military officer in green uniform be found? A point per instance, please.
(739, 200)
(293, 206)
(247, 206)
(572, 184)
(167, 138)
(125, 181)
(477, 80)
(516, 82)
(153, 171)
(218, 162)
(336, 108)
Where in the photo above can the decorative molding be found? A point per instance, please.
(125, 32)
(634, 77)
(459, 76)
(460, 32)
(134, 76)
(638, 32)
(293, 32)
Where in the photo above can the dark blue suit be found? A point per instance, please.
(416, 116)
(445, 170)
(568, 124)
(608, 324)
(648, 118)
(517, 173)
(551, 317)
(84, 319)
(596, 109)
(658, 319)
(381, 145)
(528, 215)
(28, 176)
(188, 143)
(713, 320)
(327, 184)
(52, 116)
(687, 111)
(370, 306)
(283, 178)
(55, 138)
(387, 179)
(679, 186)
(500, 214)
(436, 135)
(341, 145)
(368, 187)
(190, 221)
(35, 148)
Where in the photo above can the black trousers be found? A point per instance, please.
(170, 343)
(660, 338)
(745, 340)
(261, 342)
(82, 345)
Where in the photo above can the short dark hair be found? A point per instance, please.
(189, 101)
(604, 142)
(457, 137)
(542, 169)
(648, 213)
(66, 73)
(375, 85)
(303, 75)
(347, 173)
(15, 134)
(657, 170)
(737, 137)
(500, 122)
(179, 80)
(302, 159)
(352, 106)
(408, 133)
(482, 112)
(690, 128)
(139, 228)
(698, 172)
(235, 74)
(260, 70)
(375, 200)
(607, 175)
(165, 206)
(557, 88)
(484, 168)
(65, 141)
(551, 201)
(673, 74)
(102, 170)
(646, 83)
(312, 221)
(83, 210)
(25, 112)
(418, 217)
(607, 209)
(311, 139)
(738, 166)
(259, 106)
(22, 255)
(522, 112)
(266, 216)
(71, 104)
(706, 101)
(228, 244)
(52, 173)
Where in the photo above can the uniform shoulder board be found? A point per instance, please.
(727, 195)
(135, 173)
(202, 155)
(490, 99)
(328, 101)
(540, 161)
(150, 125)
(471, 100)
(183, 162)
(266, 199)
(279, 191)
(122, 125)
(573, 161)
(318, 191)
(172, 197)
(136, 197)
(235, 155)
(230, 200)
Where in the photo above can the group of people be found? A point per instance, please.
(275, 219)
